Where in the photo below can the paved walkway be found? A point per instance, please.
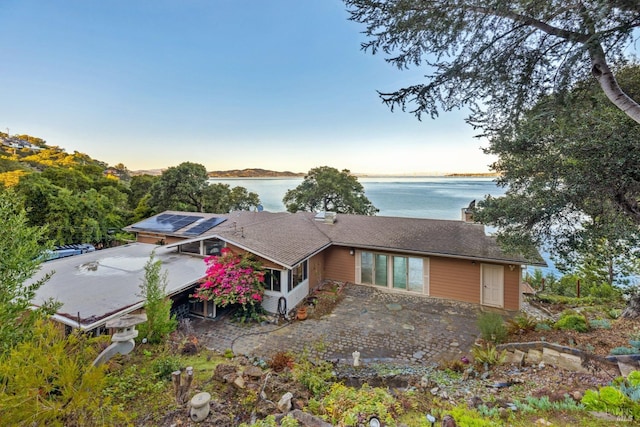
(382, 326)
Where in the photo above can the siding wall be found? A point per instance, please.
(155, 238)
(316, 270)
(455, 279)
(512, 287)
(339, 265)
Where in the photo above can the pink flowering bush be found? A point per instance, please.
(234, 279)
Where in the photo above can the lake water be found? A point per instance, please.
(430, 197)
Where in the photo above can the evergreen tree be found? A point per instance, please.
(160, 323)
(21, 252)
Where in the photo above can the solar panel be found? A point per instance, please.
(204, 226)
(167, 223)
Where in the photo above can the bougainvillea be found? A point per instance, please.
(233, 279)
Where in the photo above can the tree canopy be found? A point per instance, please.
(572, 173)
(328, 189)
(185, 187)
(498, 58)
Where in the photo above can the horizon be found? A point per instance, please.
(155, 85)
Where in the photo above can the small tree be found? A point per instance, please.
(234, 279)
(160, 323)
(21, 253)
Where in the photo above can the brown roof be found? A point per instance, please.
(287, 238)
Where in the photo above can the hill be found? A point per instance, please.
(252, 173)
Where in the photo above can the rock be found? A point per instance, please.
(230, 378)
(454, 344)
(308, 420)
(570, 362)
(448, 421)
(577, 395)
(627, 368)
(253, 372)
(284, 404)
(222, 370)
(474, 402)
(425, 382)
(541, 365)
(239, 382)
(434, 391)
(516, 357)
(550, 357)
(542, 422)
(534, 357)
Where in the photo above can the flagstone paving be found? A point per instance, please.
(381, 325)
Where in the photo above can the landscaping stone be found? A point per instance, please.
(253, 372)
(516, 357)
(570, 362)
(550, 357)
(533, 357)
(284, 404)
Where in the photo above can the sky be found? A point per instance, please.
(230, 84)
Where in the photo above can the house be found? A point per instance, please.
(438, 258)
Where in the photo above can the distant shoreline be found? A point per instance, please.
(266, 174)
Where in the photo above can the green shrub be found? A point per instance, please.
(543, 326)
(471, 417)
(488, 354)
(621, 398)
(599, 324)
(614, 313)
(163, 366)
(573, 321)
(492, 328)
(570, 301)
(315, 376)
(536, 404)
(351, 406)
(522, 323)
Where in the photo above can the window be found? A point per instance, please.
(213, 247)
(406, 272)
(297, 275)
(272, 280)
(192, 248)
(373, 269)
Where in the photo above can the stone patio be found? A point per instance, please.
(383, 326)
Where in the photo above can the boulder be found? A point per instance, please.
(284, 404)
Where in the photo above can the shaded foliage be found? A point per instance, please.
(571, 172)
(498, 58)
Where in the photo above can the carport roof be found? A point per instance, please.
(106, 283)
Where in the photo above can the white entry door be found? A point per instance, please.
(493, 285)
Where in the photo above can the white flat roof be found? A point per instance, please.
(101, 284)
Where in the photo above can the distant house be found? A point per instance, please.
(439, 258)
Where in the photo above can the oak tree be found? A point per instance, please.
(328, 189)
